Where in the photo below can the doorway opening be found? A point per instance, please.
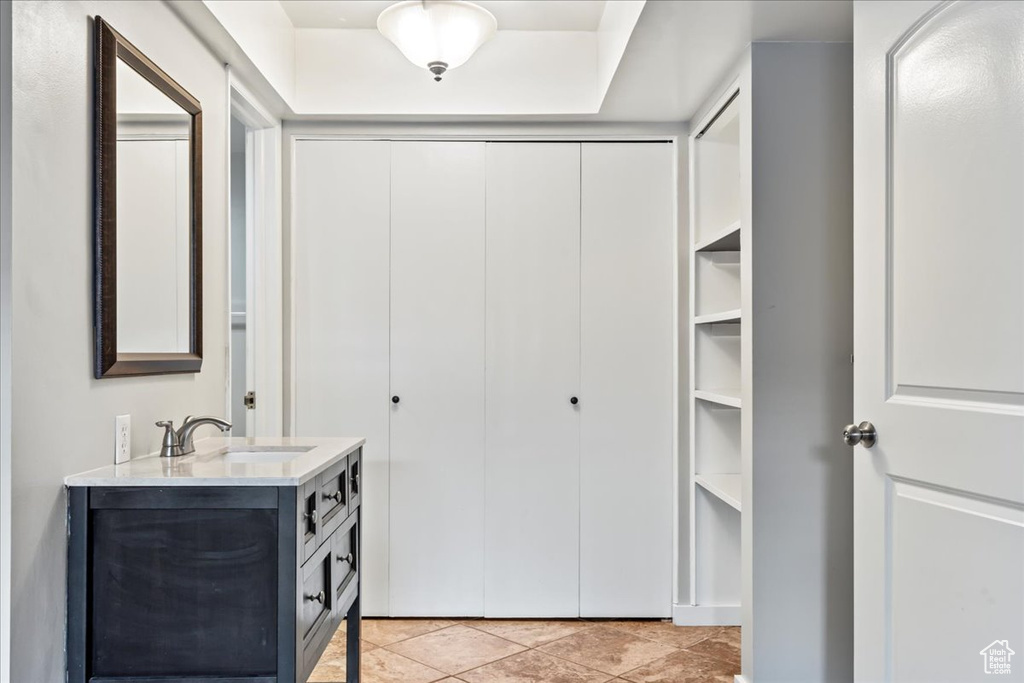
(240, 392)
(255, 265)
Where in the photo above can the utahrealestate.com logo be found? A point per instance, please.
(997, 657)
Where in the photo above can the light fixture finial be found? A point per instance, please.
(438, 69)
(438, 35)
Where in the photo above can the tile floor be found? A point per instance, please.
(507, 651)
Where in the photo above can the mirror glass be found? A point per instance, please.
(153, 218)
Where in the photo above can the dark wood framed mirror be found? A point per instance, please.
(148, 270)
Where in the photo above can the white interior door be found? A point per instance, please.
(340, 242)
(533, 338)
(939, 341)
(627, 399)
(437, 375)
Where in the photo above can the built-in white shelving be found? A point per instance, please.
(716, 333)
(770, 340)
(732, 316)
(723, 397)
(726, 239)
(725, 487)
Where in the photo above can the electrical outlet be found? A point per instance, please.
(122, 438)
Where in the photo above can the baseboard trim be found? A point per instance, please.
(740, 678)
(706, 615)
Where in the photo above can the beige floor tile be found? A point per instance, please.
(529, 632)
(387, 631)
(331, 667)
(533, 667)
(456, 649)
(383, 666)
(608, 650)
(327, 672)
(339, 643)
(725, 645)
(666, 632)
(682, 666)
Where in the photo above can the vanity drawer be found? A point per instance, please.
(308, 519)
(355, 470)
(316, 594)
(332, 485)
(345, 551)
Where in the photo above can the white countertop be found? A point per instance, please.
(210, 465)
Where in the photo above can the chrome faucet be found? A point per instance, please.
(180, 442)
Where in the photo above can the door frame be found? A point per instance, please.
(6, 179)
(677, 135)
(264, 262)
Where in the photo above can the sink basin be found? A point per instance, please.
(258, 456)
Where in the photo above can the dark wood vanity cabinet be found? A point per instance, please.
(220, 584)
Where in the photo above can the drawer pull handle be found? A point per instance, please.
(311, 516)
(319, 597)
(355, 484)
(346, 558)
(336, 496)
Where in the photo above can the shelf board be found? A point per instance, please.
(726, 239)
(732, 316)
(726, 487)
(725, 397)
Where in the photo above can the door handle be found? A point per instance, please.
(395, 399)
(574, 400)
(863, 434)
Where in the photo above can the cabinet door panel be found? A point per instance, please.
(175, 571)
(437, 371)
(533, 233)
(627, 373)
(340, 239)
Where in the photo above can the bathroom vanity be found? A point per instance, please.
(236, 563)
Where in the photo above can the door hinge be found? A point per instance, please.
(250, 400)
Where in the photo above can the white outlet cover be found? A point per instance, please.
(122, 439)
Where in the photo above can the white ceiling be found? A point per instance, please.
(512, 15)
(672, 57)
(681, 49)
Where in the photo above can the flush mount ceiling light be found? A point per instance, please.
(437, 35)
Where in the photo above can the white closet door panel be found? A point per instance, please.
(627, 398)
(340, 238)
(533, 233)
(437, 371)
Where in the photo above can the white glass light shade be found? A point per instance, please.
(437, 34)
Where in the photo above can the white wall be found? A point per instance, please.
(617, 23)
(63, 419)
(356, 72)
(681, 593)
(265, 32)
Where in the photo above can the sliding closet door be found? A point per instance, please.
(339, 236)
(533, 269)
(627, 370)
(437, 377)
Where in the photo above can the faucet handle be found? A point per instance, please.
(169, 444)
